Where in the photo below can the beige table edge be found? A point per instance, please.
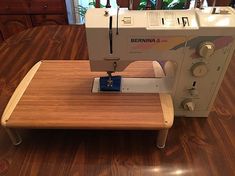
(167, 108)
(16, 96)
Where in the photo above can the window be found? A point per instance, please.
(79, 7)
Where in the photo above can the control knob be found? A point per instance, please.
(199, 69)
(206, 49)
(188, 105)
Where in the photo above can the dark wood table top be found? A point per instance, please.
(195, 146)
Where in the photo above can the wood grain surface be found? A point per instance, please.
(204, 146)
(59, 96)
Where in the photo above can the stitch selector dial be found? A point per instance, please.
(199, 69)
(206, 49)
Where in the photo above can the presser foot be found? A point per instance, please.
(110, 83)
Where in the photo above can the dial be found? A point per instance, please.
(188, 105)
(199, 69)
(206, 49)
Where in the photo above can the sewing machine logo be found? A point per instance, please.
(139, 44)
(146, 40)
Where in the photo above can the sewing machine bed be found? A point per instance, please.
(57, 94)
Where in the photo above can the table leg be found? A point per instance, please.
(14, 136)
(161, 139)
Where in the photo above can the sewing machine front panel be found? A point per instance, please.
(202, 89)
(199, 42)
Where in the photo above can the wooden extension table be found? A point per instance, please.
(57, 94)
(45, 86)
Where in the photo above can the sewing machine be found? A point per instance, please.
(193, 48)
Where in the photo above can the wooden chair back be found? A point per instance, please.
(125, 3)
(120, 3)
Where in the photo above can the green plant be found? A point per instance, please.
(81, 10)
(167, 4)
(173, 4)
(143, 4)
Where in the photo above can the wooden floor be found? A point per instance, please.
(194, 147)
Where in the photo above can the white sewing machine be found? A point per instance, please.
(194, 48)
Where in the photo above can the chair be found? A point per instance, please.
(120, 3)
